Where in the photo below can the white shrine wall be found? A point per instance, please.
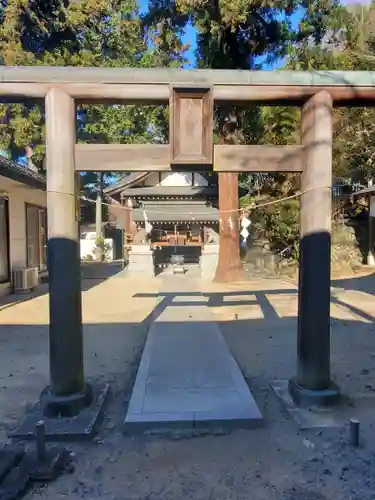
(176, 179)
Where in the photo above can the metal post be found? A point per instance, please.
(68, 393)
(98, 226)
(312, 385)
(40, 436)
(354, 432)
(98, 219)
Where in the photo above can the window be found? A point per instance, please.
(36, 236)
(4, 241)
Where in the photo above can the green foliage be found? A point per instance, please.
(106, 33)
(246, 201)
(279, 225)
(350, 46)
(101, 244)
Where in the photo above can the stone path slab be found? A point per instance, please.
(188, 377)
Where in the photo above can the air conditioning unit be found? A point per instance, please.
(25, 279)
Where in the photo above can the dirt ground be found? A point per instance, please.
(278, 461)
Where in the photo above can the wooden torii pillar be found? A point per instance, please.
(68, 393)
(229, 266)
(312, 385)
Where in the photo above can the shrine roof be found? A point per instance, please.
(134, 180)
(170, 191)
(16, 172)
(176, 212)
(126, 181)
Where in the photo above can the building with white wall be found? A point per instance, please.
(23, 224)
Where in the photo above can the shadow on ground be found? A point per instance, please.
(92, 274)
(364, 284)
(277, 462)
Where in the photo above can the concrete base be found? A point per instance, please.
(65, 406)
(188, 377)
(306, 418)
(82, 426)
(5, 289)
(208, 261)
(370, 261)
(141, 260)
(311, 399)
(9, 457)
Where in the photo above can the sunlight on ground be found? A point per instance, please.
(115, 301)
(187, 299)
(234, 312)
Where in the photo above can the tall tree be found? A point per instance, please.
(109, 33)
(352, 48)
(348, 45)
(231, 35)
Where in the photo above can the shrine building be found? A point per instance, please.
(168, 213)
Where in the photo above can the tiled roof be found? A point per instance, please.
(16, 172)
(367, 190)
(131, 180)
(125, 182)
(156, 191)
(176, 212)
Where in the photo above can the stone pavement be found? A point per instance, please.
(258, 321)
(187, 376)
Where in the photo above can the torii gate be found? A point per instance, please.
(191, 95)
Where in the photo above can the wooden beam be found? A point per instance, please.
(122, 157)
(104, 93)
(146, 85)
(230, 158)
(156, 158)
(191, 116)
(235, 158)
(195, 77)
(88, 93)
(294, 95)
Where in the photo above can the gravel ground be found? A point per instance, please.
(277, 461)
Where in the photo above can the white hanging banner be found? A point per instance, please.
(245, 234)
(148, 226)
(245, 222)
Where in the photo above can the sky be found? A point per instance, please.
(190, 35)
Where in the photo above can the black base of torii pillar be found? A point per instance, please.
(70, 407)
(312, 385)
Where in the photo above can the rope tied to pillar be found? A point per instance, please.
(240, 211)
